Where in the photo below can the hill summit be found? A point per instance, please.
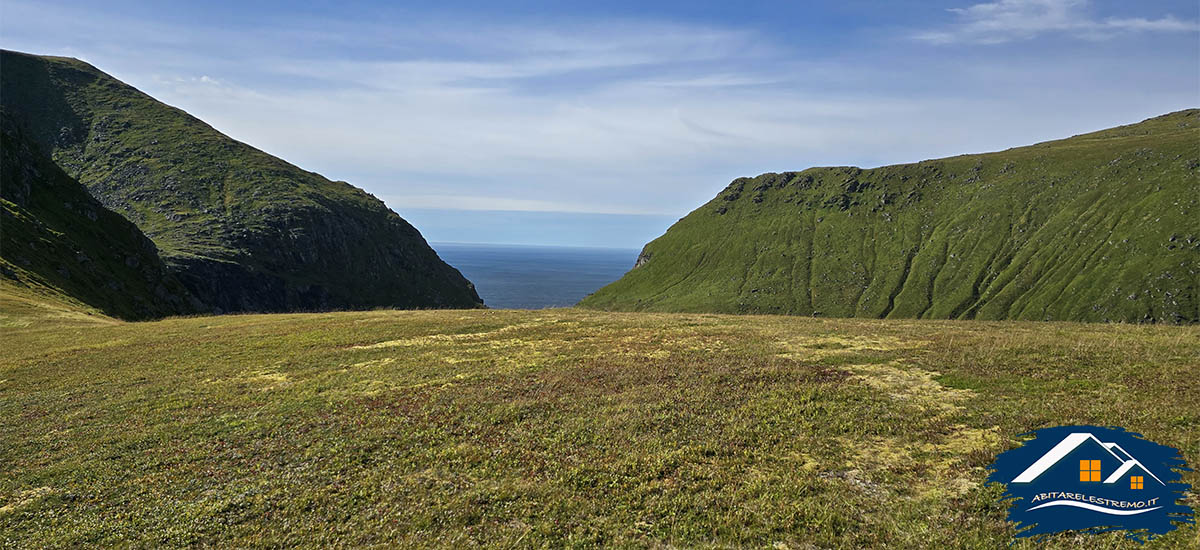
(1098, 227)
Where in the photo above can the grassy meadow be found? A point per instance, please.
(553, 428)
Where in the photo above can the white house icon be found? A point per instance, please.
(1072, 442)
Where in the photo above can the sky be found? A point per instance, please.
(601, 123)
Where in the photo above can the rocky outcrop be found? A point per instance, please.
(643, 258)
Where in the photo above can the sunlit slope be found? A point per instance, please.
(553, 428)
(1097, 227)
(243, 230)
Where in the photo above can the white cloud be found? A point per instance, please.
(460, 202)
(1012, 20)
(610, 116)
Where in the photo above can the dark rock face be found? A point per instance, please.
(228, 286)
(243, 230)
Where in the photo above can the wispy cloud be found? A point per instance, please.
(1012, 20)
(613, 116)
(493, 203)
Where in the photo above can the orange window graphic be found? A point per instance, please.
(1089, 470)
(1135, 482)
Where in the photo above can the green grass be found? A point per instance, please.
(553, 428)
(1098, 227)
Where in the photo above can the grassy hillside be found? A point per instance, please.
(554, 428)
(1097, 227)
(56, 239)
(243, 230)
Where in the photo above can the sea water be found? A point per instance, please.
(534, 277)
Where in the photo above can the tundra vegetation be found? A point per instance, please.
(553, 428)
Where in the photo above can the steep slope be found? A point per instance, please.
(56, 239)
(1098, 227)
(243, 230)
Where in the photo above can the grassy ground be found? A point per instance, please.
(553, 428)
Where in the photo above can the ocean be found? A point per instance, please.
(535, 277)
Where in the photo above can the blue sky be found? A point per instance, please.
(601, 123)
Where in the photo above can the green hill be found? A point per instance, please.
(242, 230)
(1098, 227)
(55, 238)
